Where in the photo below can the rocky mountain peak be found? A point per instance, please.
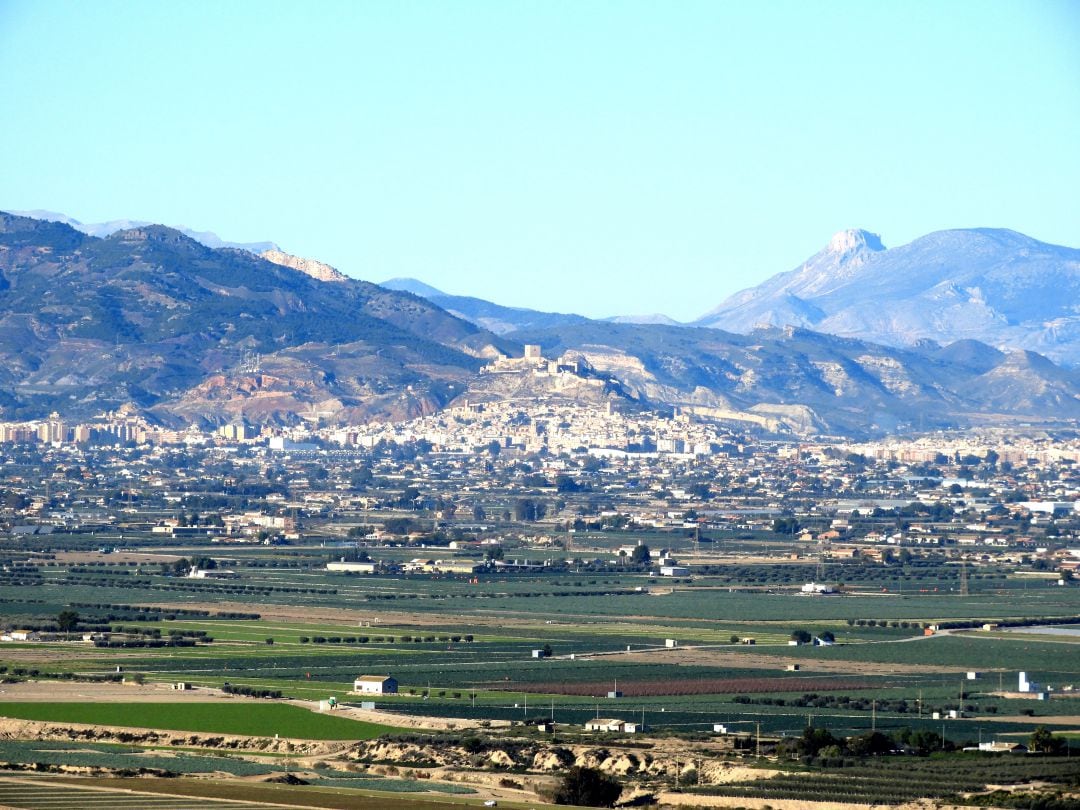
(154, 233)
(854, 240)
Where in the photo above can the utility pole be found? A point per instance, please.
(873, 715)
(757, 747)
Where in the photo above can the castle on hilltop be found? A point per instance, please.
(533, 360)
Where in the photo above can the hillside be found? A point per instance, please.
(810, 382)
(496, 318)
(151, 316)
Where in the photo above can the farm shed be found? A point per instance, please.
(375, 685)
(352, 567)
(613, 725)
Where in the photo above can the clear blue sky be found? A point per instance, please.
(597, 157)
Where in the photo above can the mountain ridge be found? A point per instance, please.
(103, 229)
(193, 334)
(994, 285)
(151, 316)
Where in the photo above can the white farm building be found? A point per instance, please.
(375, 685)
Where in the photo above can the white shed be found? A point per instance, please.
(375, 685)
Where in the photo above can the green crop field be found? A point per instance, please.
(247, 718)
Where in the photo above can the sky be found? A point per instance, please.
(621, 157)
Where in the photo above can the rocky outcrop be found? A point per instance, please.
(313, 268)
(553, 759)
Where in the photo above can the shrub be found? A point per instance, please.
(588, 787)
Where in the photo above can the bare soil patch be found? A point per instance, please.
(75, 692)
(736, 659)
(138, 557)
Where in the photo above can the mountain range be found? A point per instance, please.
(196, 334)
(193, 334)
(987, 284)
(102, 229)
(992, 285)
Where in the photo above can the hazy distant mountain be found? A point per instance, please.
(995, 286)
(194, 334)
(655, 318)
(412, 285)
(495, 318)
(103, 229)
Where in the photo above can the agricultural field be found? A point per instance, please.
(172, 794)
(490, 655)
(465, 650)
(934, 778)
(259, 720)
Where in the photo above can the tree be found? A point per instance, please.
(546, 651)
(785, 525)
(564, 483)
(588, 787)
(801, 636)
(16, 500)
(181, 567)
(399, 525)
(641, 555)
(526, 509)
(828, 637)
(360, 479)
(1043, 742)
(67, 621)
(871, 744)
(408, 498)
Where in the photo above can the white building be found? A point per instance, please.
(375, 685)
(354, 567)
